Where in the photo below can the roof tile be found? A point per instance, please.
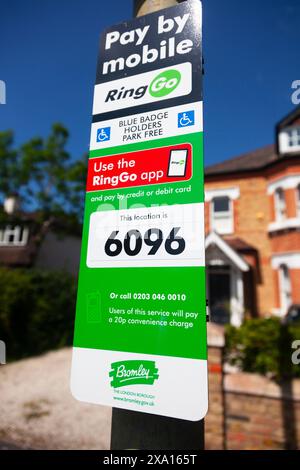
(248, 161)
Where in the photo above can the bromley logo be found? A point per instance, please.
(143, 88)
(134, 372)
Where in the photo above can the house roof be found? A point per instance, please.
(239, 245)
(17, 255)
(290, 119)
(249, 161)
(256, 159)
(22, 256)
(237, 259)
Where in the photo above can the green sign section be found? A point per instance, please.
(151, 310)
(142, 312)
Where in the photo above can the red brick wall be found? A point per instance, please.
(277, 288)
(256, 423)
(295, 281)
(285, 241)
(290, 198)
(214, 420)
(236, 214)
(251, 217)
(260, 414)
(272, 207)
(253, 212)
(249, 411)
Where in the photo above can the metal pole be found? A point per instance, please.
(143, 7)
(143, 431)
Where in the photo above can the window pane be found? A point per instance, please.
(294, 137)
(285, 288)
(280, 195)
(280, 204)
(221, 204)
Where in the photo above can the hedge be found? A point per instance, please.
(263, 346)
(37, 311)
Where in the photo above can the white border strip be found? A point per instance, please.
(232, 193)
(286, 182)
(291, 260)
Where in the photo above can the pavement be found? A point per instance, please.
(38, 411)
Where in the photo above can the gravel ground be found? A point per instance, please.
(38, 411)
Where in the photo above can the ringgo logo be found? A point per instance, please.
(165, 83)
(144, 88)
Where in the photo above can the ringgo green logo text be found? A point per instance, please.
(165, 83)
(144, 88)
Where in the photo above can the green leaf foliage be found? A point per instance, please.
(43, 173)
(37, 311)
(263, 346)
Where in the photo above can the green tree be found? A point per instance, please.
(11, 177)
(76, 177)
(43, 173)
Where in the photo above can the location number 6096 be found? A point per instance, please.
(154, 238)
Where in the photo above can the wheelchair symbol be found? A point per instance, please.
(186, 119)
(103, 134)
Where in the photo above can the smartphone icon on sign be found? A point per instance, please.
(93, 307)
(177, 162)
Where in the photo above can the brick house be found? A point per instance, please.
(252, 205)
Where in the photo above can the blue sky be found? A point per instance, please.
(48, 52)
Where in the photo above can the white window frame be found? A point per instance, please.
(280, 205)
(289, 140)
(216, 218)
(285, 183)
(294, 137)
(285, 288)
